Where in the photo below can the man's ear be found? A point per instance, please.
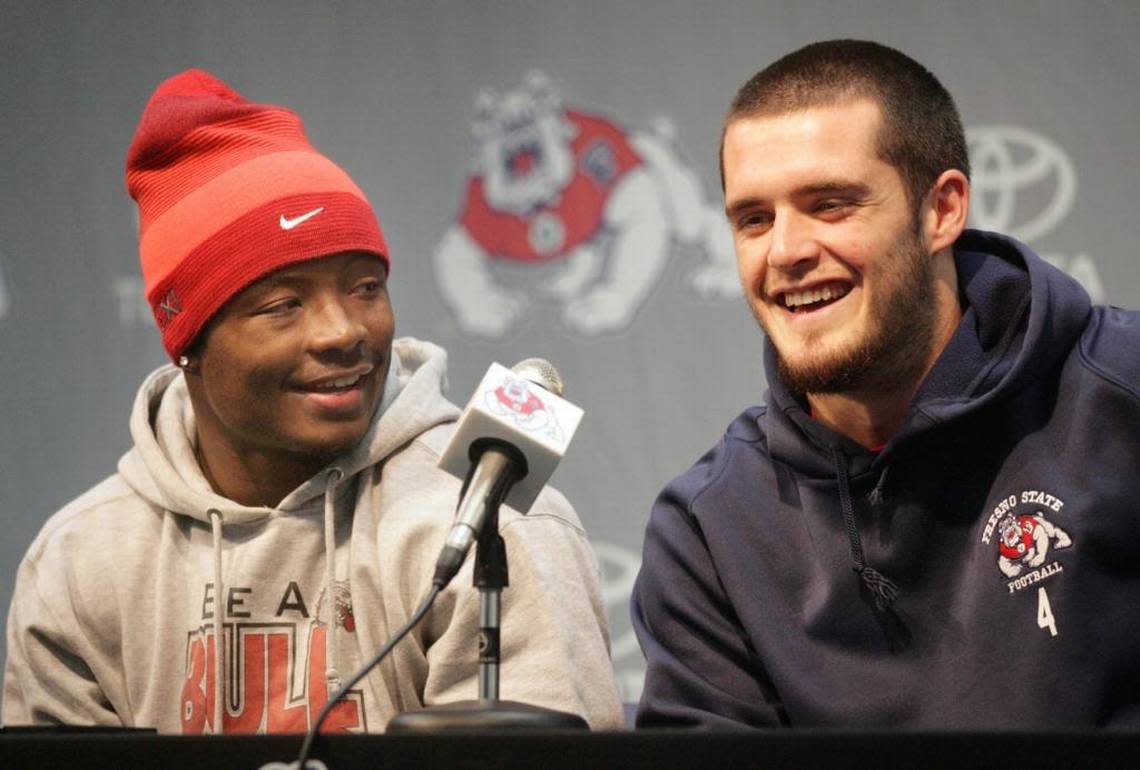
(945, 210)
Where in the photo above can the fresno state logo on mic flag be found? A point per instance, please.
(570, 210)
(514, 399)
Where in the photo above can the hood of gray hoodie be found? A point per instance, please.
(163, 469)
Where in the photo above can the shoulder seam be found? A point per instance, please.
(724, 441)
(46, 534)
(545, 516)
(712, 480)
(1100, 371)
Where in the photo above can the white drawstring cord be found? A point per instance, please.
(332, 651)
(219, 641)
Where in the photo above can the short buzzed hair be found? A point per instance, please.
(921, 135)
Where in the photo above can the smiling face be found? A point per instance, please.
(293, 367)
(829, 252)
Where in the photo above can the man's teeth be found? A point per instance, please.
(794, 299)
(343, 382)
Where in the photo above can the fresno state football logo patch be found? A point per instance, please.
(1026, 536)
(1027, 539)
(1025, 542)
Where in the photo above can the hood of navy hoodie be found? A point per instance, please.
(1020, 316)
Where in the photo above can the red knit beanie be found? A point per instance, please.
(228, 191)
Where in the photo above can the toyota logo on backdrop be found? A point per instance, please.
(1024, 184)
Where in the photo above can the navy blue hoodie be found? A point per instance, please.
(980, 571)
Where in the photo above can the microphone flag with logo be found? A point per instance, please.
(507, 443)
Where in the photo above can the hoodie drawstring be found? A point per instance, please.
(882, 587)
(219, 641)
(878, 495)
(332, 672)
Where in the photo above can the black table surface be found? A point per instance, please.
(659, 749)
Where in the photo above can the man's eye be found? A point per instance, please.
(280, 307)
(753, 221)
(370, 286)
(831, 204)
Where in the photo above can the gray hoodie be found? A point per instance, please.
(121, 597)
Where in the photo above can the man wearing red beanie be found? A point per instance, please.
(279, 514)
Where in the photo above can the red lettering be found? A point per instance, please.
(193, 710)
(210, 681)
(344, 715)
(264, 693)
(283, 718)
(251, 686)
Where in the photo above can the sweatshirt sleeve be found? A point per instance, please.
(701, 670)
(555, 643)
(47, 679)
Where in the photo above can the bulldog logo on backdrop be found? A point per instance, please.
(567, 208)
(1024, 185)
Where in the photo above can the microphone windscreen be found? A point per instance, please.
(540, 372)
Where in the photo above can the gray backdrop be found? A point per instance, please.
(661, 356)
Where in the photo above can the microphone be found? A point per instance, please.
(507, 443)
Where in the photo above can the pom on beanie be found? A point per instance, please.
(229, 190)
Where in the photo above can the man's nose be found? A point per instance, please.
(336, 327)
(793, 244)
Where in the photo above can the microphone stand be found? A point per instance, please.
(491, 577)
(488, 712)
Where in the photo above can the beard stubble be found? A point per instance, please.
(895, 347)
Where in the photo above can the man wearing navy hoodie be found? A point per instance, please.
(934, 519)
